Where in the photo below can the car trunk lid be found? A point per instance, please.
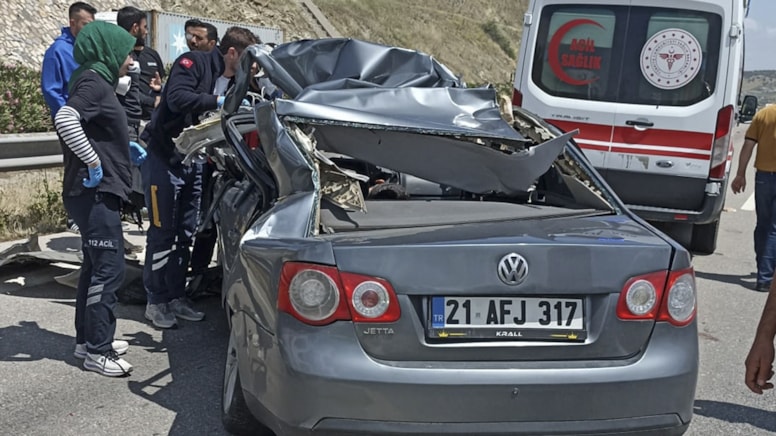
(571, 261)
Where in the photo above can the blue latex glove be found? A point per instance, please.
(220, 101)
(95, 176)
(137, 153)
(245, 102)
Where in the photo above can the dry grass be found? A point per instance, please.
(30, 201)
(450, 30)
(761, 84)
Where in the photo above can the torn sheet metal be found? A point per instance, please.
(334, 60)
(463, 112)
(338, 63)
(29, 251)
(452, 162)
(194, 139)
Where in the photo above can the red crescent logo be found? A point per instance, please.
(554, 56)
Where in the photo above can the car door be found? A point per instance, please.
(575, 70)
(670, 92)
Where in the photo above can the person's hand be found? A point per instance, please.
(95, 175)
(245, 102)
(220, 101)
(739, 184)
(759, 366)
(137, 153)
(155, 83)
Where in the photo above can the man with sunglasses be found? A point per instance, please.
(200, 35)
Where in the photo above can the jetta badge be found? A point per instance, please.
(512, 269)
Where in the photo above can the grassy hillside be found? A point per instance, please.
(761, 84)
(477, 39)
(462, 34)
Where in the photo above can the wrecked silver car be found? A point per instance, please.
(400, 256)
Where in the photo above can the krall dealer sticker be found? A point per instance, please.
(671, 58)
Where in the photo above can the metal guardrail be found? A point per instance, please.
(28, 151)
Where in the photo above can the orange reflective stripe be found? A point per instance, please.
(155, 206)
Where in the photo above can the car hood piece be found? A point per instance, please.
(451, 136)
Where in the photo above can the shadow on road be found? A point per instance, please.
(187, 380)
(191, 385)
(746, 282)
(65, 243)
(27, 342)
(736, 413)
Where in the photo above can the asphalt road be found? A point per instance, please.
(175, 388)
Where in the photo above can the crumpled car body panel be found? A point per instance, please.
(474, 191)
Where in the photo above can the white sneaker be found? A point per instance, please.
(160, 315)
(108, 364)
(120, 347)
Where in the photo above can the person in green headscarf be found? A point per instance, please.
(97, 158)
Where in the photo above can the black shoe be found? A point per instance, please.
(204, 284)
(762, 287)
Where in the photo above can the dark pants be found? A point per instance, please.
(204, 241)
(172, 196)
(765, 230)
(98, 216)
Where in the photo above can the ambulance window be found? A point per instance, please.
(574, 52)
(673, 58)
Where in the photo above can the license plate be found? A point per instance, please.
(508, 318)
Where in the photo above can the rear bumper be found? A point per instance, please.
(710, 210)
(667, 425)
(311, 381)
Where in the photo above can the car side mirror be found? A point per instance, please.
(747, 109)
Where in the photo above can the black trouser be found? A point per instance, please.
(172, 194)
(204, 241)
(98, 216)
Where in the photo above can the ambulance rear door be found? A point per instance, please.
(568, 70)
(671, 90)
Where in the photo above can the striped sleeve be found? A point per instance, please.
(68, 125)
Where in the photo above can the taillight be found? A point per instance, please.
(679, 304)
(517, 98)
(371, 299)
(320, 295)
(661, 296)
(311, 293)
(721, 147)
(640, 297)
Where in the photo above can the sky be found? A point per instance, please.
(761, 36)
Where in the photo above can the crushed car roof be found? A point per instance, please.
(395, 108)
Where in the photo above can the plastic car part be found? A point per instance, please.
(679, 305)
(361, 298)
(627, 306)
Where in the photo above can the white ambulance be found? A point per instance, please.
(652, 86)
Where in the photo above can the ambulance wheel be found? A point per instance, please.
(704, 238)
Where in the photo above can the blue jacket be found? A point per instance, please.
(58, 66)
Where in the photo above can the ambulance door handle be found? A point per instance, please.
(639, 124)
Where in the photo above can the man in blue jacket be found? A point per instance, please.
(173, 191)
(58, 62)
(58, 65)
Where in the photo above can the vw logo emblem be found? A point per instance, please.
(512, 269)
